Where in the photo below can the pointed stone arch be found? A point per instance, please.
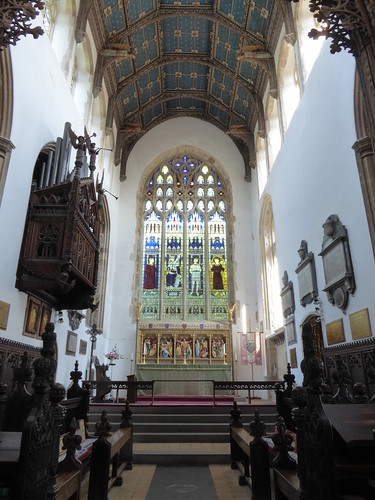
(6, 115)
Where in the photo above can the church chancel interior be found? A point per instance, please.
(187, 252)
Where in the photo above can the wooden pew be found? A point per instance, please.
(335, 440)
(249, 451)
(109, 448)
(29, 446)
(29, 466)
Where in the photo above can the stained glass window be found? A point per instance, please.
(185, 263)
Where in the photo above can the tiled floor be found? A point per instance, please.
(137, 482)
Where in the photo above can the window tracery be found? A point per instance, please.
(184, 255)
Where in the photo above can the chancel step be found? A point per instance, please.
(182, 434)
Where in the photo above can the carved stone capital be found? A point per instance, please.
(83, 13)
(364, 147)
(6, 147)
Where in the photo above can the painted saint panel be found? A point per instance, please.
(218, 267)
(173, 262)
(166, 351)
(195, 278)
(150, 294)
(202, 348)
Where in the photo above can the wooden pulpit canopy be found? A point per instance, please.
(60, 249)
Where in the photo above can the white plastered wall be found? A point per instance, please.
(172, 136)
(315, 175)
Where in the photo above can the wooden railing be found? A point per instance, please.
(247, 386)
(216, 386)
(128, 385)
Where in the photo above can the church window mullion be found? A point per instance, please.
(184, 265)
(207, 273)
(162, 282)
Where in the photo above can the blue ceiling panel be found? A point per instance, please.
(123, 69)
(227, 46)
(129, 99)
(149, 86)
(248, 71)
(113, 16)
(186, 76)
(189, 47)
(145, 45)
(221, 87)
(186, 34)
(218, 114)
(259, 17)
(235, 10)
(242, 102)
(139, 8)
(185, 104)
(152, 113)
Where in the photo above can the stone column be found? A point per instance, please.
(364, 152)
(6, 147)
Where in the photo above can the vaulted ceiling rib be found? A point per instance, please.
(205, 58)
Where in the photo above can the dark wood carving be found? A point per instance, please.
(15, 19)
(351, 364)
(10, 358)
(60, 249)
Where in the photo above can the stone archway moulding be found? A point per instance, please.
(6, 115)
(166, 156)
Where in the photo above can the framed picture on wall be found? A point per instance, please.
(38, 314)
(82, 347)
(71, 343)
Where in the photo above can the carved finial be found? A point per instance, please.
(257, 426)
(22, 374)
(235, 416)
(103, 427)
(45, 366)
(57, 393)
(360, 394)
(285, 279)
(76, 374)
(302, 251)
(127, 416)
(290, 380)
(326, 394)
(283, 444)
(71, 443)
(311, 365)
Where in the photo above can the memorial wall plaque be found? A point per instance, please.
(335, 332)
(360, 324)
(290, 331)
(287, 296)
(337, 264)
(4, 314)
(307, 287)
(293, 358)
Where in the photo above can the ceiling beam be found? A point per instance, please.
(203, 12)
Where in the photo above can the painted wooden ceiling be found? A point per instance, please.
(162, 59)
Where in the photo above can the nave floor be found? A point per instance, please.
(137, 483)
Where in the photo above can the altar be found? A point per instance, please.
(181, 380)
(184, 360)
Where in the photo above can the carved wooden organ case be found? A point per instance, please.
(60, 249)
